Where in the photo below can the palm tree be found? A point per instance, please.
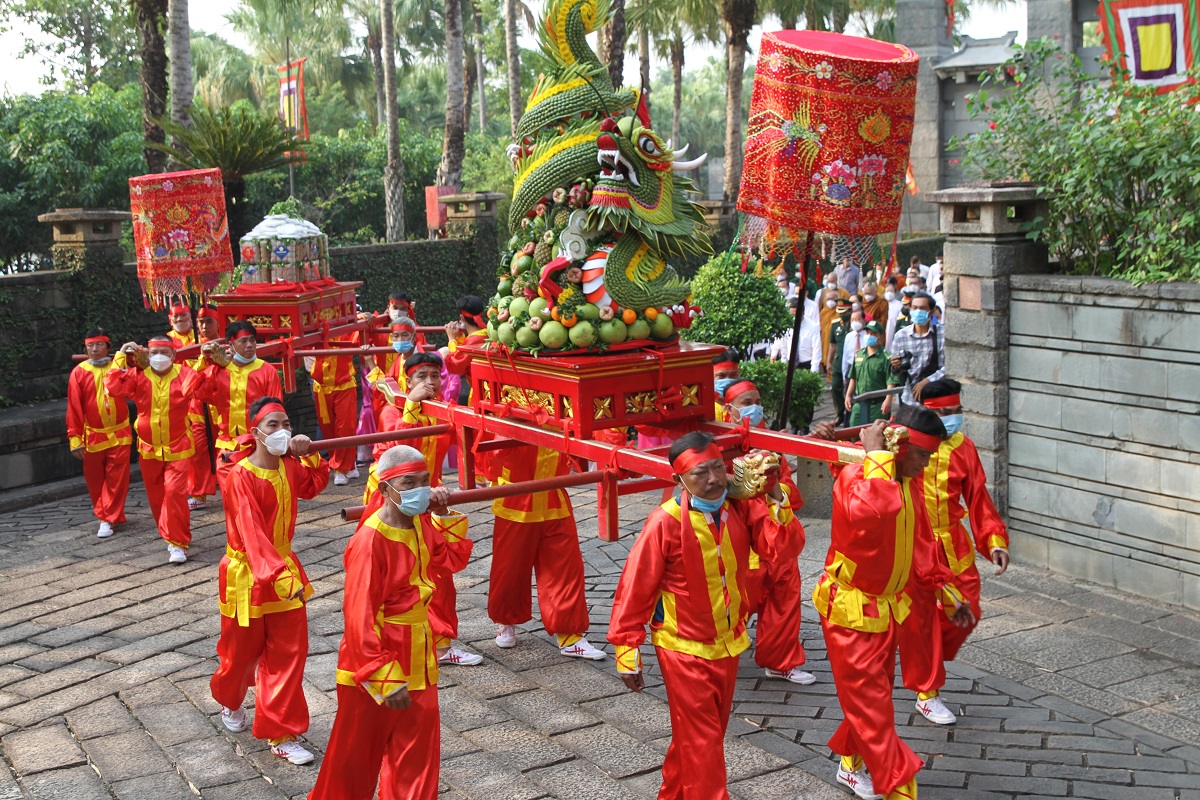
(739, 17)
(453, 139)
(314, 29)
(240, 141)
(512, 51)
(615, 39)
(180, 34)
(479, 64)
(393, 173)
(224, 73)
(150, 17)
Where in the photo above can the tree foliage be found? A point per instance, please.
(82, 42)
(1117, 163)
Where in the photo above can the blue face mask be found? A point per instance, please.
(401, 346)
(707, 506)
(872, 341)
(920, 316)
(413, 502)
(754, 414)
(953, 423)
(721, 384)
(241, 359)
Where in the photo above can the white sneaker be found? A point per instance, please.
(936, 712)
(106, 530)
(460, 657)
(176, 554)
(339, 479)
(234, 720)
(352, 473)
(196, 502)
(858, 781)
(293, 752)
(507, 637)
(582, 649)
(793, 675)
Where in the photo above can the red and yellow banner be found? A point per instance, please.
(291, 97)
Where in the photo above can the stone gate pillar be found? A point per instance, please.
(985, 244)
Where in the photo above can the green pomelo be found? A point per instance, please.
(506, 334)
(613, 331)
(518, 306)
(523, 263)
(583, 334)
(527, 337)
(491, 329)
(661, 328)
(588, 311)
(553, 335)
(505, 287)
(640, 329)
(505, 302)
(536, 306)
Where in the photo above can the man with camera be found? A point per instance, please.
(918, 352)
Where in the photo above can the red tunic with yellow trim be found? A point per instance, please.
(529, 463)
(433, 448)
(692, 588)
(955, 487)
(96, 421)
(231, 391)
(880, 541)
(259, 572)
(164, 410)
(388, 643)
(334, 373)
(458, 362)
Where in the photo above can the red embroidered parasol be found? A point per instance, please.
(180, 234)
(831, 122)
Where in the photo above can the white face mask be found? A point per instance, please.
(182, 327)
(889, 295)
(830, 303)
(870, 298)
(160, 362)
(856, 326)
(277, 443)
(856, 307)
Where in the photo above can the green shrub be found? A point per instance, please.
(770, 378)
(740, 308)
(1117, 163)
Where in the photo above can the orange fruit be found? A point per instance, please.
(568, 319)
(629, 316)
(651, 313)
(554, 313)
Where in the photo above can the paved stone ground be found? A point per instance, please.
(106, 651)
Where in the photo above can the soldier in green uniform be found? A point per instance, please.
(869, 373)
(833, 365)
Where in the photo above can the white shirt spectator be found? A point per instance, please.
(809, 351)
(934, 279)
(812, 310)
(855, 341)
(894, 307)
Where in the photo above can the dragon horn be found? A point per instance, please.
(686, 166)
(643, 111)
(679, 153)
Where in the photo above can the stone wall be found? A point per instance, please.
(1104, 432)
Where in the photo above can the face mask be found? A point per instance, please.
(100, 362)
(845, 315)
(721, 384)
(182, 327)
(870, 298)
(708, 506)
(401, 346)
(395, 314)
(241, 359)
(830, 303)
(856, 307)
(831, 285)
(753, 414)
(856, 326)
(161, 363)
(277, 443)
(872, 340)
(889, 295)
(413, 502)
(953, 423)
(921, 316)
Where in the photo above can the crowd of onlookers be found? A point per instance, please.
(867, 333)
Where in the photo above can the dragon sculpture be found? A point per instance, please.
(599, 203)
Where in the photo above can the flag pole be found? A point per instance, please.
(287, 71)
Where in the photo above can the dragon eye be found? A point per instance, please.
(646, 145)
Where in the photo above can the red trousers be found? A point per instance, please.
(107, 476)
(699, 698)
(337, 414)
(443, 607)
(275, 645)
(777, 643)
(372, 744)
(550, 551)
(202, 481)
(926, 646)
(863, 667)
(167, 490)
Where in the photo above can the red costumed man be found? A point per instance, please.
(471, 328)
(165, 445)
(881, 552)
(202, 479)
(776, 599)
(686, 576)
(387, 730)
(98, 431)
(335, 395)
(264, 625)
(402, 340)
(955, 487)
(231, 378)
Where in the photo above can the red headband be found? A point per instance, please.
(411, 367)
(688, 460)
(476, 318)
(407, 468)
(404, 326)
(210, 313)
(164, 339)
(949, 401)
(94, 339)
(925, 441)
(733, 365)
(737, 388)
(242, 334)
(269, 408)
(179, 310)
